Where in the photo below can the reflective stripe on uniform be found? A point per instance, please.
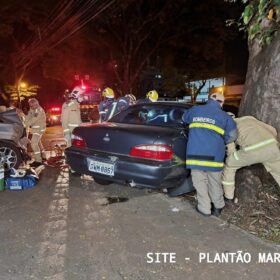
(66, 129)
(35, 153)
(113, 110)
(102, 112)
(208, 126)
(73, 124)
(204, 163)
(42, 130)
(87, 106)
(226, 183)
(70, 103)
(259, 145)
(35, 126)
(35, 133)
(235, 156)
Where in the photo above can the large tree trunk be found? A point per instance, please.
(261, 100)
(262, 89)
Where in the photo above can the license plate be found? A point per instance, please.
(101, 167)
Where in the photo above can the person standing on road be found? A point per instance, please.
(151, 96)
(36, 121)
(70, 116)
(257, 143)
(210, 129)
(105, 105)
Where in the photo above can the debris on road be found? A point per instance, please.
(110, 200)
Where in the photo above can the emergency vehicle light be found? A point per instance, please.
(55, 109)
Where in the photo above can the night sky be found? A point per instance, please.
(115, 42)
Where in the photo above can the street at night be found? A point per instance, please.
(64, 228)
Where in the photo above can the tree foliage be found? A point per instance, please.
(260, 19)
(15, 93)
(137, 32)
(125, 37)
(36, 28)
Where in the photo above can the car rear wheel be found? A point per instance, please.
(102, 181)
(10, 155)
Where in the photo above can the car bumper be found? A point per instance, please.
(146, 173)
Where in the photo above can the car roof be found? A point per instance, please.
(166, 103)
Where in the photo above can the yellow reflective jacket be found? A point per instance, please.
(254, 134)
(36, 120)
(70, 115)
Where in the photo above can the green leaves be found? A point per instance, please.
(276, 2)
(260, 19)
(248, 13)
(266, 36)
(254, 29)
(262, 7)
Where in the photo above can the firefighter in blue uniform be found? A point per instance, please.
(105, 105)
(120, 104)
(125, 101)
(210, 129)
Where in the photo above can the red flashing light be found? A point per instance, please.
(55, 109)
(152, 151)
(84, 87)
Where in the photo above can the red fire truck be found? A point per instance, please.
(89, 99)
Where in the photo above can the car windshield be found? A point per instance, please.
(152, 114)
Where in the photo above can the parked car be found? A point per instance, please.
(143, 146)
(12, 139)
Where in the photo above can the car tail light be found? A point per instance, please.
(78, 141)
(154, 152)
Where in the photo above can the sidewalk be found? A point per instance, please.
(62, 230)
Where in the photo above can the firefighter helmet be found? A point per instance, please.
(152, 95)
(33, 101)
(108, 92)
(76, 93)
(218, 97)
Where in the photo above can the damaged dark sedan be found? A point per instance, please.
(143, 146)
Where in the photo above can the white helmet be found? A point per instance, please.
(131, 98)
(77, 93)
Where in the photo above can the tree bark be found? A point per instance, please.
(261, 100)
(262, 88)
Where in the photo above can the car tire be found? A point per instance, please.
(102, 181)
(10, 155)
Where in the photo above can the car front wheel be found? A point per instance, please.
(10, 156)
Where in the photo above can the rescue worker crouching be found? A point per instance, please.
(70, 116)
(209, 129)
(104, 106)
(257, 143)
(36, 121)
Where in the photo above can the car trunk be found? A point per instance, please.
(120, 138)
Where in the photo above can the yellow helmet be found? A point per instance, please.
(152, 95)
(108, 92)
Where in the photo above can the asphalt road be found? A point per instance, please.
(65, 228)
